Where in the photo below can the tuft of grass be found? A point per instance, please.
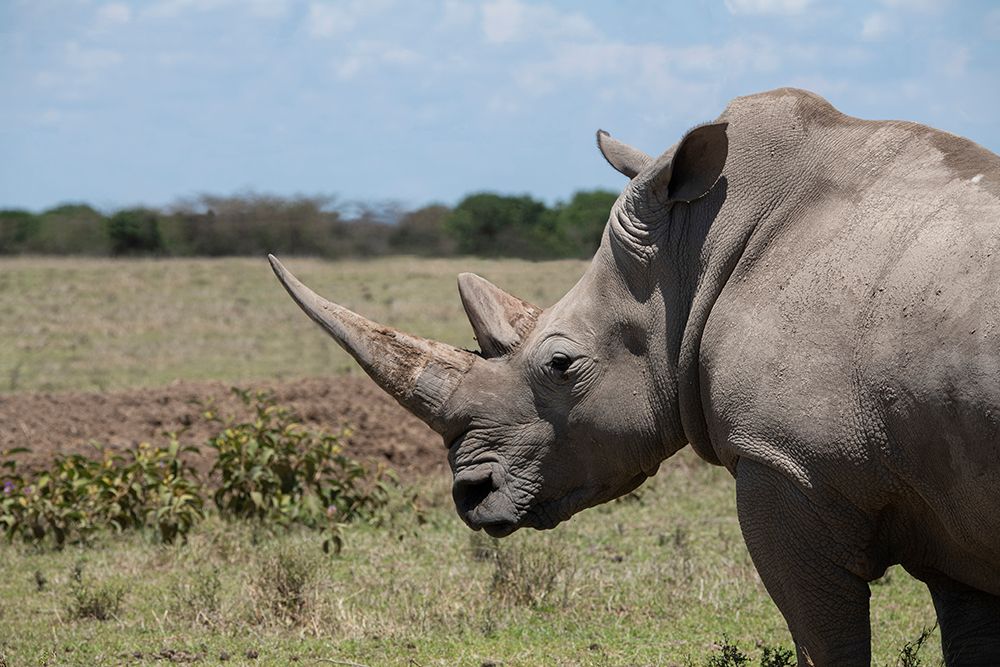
(282, 586)
(534, 576)
(198, 597)
(101, 600)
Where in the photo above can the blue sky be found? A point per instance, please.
(119, 103)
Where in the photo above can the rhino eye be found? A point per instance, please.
(560, 362)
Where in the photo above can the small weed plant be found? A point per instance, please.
(728, 654)
(197, 597)
(283, 587)
(909, 655)
(532, 577)
(99, 601)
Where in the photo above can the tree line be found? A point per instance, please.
(484, 224)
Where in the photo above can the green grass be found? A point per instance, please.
(655, 579)
(98, 324)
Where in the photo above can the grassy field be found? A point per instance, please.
(655, 579)
(95, 324)
(658, 578)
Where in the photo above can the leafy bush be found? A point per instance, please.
(273, 469)
(728, 655)
(76, 496)
(777, 656)
(579, 223)
(422, 232)
(68, 229)
(490, 224)
(134, 231)
(16, 227)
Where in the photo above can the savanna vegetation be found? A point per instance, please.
(139, 558)
(485, 224)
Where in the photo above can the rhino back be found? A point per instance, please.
(856, 345)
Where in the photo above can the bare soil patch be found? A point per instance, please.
(68, 422)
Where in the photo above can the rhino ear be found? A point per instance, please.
(695, 165)
(501, 321)
(627, 160)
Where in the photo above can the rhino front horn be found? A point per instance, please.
(420, 374)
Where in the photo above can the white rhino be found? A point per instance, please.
(809, 299)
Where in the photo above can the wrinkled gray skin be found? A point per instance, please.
(809, 299)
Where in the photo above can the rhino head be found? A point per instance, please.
(570, 406)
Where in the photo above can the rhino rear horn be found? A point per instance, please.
(500, 320)
(420, 374)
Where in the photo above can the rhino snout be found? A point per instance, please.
(476, 491)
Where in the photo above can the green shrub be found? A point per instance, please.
(134, 231)
(273, 469)
(494, 225)
(728, 655)
(777, 656)
(16, 227)
(68, 229)
(76, 496)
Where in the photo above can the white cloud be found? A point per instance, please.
(113, 13)
(174, 8)
(49, 117)
(369, 55)
(876, 26)
(326, 20)
(90, 61)
(952, 60)
(267, 9)
(785, 7)
(506, 21)
(918, 5)
(456, 13)
(619, 64)
(991, 23)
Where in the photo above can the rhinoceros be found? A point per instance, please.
(809, 299)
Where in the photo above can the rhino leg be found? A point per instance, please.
(792, 546)
(970, 622)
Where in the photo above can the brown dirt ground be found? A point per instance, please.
(68, 422)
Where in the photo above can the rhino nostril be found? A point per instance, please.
(469, 491)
